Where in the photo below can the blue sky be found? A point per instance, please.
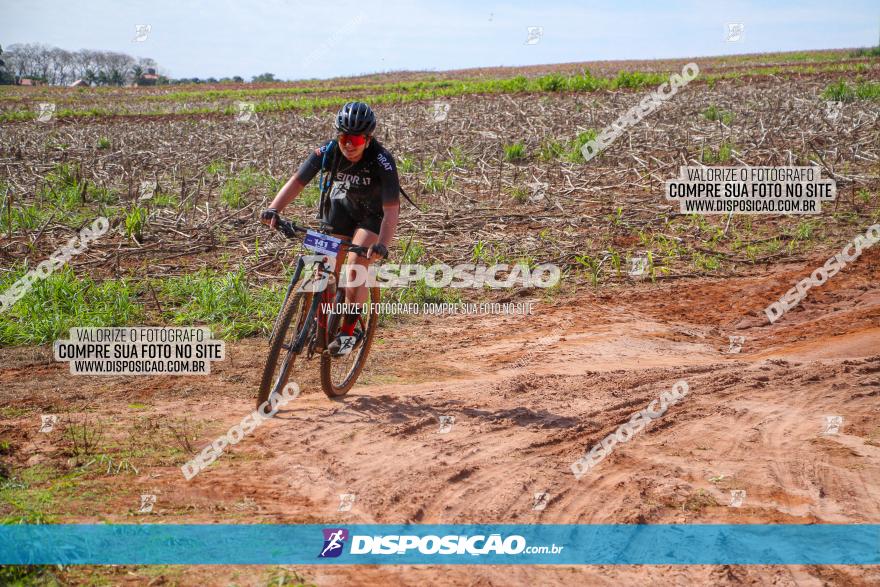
(296, 40)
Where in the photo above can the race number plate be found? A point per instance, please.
(321, 243)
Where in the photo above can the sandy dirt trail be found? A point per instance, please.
(531, 394)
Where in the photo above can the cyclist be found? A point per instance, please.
(361, 201)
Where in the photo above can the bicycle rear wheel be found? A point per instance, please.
(290, 329)
(338, 374)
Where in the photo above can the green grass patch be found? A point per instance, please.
(439, 182)
(573, 152)
(281, 577)
(519, 194)
(310, 196)
(457, 160)
(135, 221)
(216, 167)
(12, 412)
(27, 217)
(591, 266)
(550, 150)
(28, 575)
(404, 92)
(236, 189)
(64, 187)
(103, 195)
(637, 79)
(31, 496)
(64, 175)
(866, 52)
(407, 165)
(165, 200)
(232, 306)
(553, 82)
(723, 154)
(714, 113)
(62, 301)
(514, 152)
(226, 301)
(842, 91)
(706, 262)
(412, 252)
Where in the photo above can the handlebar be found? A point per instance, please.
(289, 230)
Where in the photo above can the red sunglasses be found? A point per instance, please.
(353, 140)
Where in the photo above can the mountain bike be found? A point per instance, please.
(307, 324)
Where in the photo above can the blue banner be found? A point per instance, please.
(521, 544)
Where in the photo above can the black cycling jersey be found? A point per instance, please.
(362, 187)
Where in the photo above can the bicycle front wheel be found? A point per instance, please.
(338, 374)
(290, 329)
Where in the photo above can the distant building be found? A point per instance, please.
(79, 84)
(25, 81)
(147, 79)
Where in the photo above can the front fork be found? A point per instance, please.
(297, 273)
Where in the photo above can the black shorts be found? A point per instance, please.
(344, 222)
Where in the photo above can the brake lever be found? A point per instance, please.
(284, 228)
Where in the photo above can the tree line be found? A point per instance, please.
(59, 67)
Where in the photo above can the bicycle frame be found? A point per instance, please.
(323, 281)
(309, 322)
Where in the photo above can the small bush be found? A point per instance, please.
(83, 438)
(437, 183)
(637, 79)
(714, 113)
(587, 83)
(724, 153)
(550, 150)
(519, 194)
(519, 83)
(135, 222)
(839, 92)
(406, 165)
(574, 153)
(514, 152)
(553, 82)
